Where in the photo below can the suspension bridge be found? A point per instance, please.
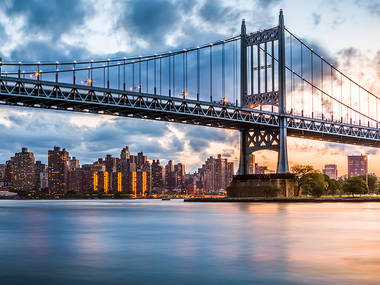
(268, 85)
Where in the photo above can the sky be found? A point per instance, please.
(32, 30)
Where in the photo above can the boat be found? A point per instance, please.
(165, 199)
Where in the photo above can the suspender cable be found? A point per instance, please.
(236, 74)
(74, 77)
(302, 82)
(183, 75)
(174, 74)
(312, 85)
(160, 75)
(104, 76)
(322, 88)
(198, 74)
(266, 68)
(223, 75)
(91, 75)
(291, 77)
(258, 70)
(133, 76)
(341, 99)
(359, 105)
(124, 76)
(108, 73)
(147, 76)
(139, 87)
(118, 75)
(332, 94)
(252, 71)
(155, 76)
(272, 70)
(56, 71)
(186, 87)
(272, 66)
(351, 103)
(234, 71)
(170, 75)
(210, 72)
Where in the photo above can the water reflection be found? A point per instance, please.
(171, 242)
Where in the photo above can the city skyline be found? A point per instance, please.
(97, 134)
(126, 173)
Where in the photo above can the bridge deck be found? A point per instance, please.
(80, 98)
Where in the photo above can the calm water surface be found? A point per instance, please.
(172, 242)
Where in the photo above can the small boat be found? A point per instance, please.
(165, 199)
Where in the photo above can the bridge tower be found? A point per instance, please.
(260, 138)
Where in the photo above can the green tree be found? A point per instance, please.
(314, 184)
(355, 185)
(300, 171)
(334, 187)
(271, 191)
(372, 180)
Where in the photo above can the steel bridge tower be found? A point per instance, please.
(259, 138)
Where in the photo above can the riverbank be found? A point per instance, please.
(287, 200)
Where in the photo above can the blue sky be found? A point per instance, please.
(65, 30)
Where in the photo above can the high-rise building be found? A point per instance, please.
(331, 171)
(180, 176)
(251, 163)
(169, 175)
(125, 154)
(216, 174)
(38, 169)
(158, 176)
(112, 163)
(44, 180)
(74, 164)
(2, 171)
(22, 172)
(58, 161)
(357, 165)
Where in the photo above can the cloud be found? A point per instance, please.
(316, 19)
(372, 6)
(51, 18)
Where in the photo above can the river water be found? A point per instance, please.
(172, 242)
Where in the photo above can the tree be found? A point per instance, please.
(314, 184)
(371, 182)
(300, 171)
(271, 191)
(334, 186)
(355, 185)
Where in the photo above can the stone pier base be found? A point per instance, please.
(254, 185)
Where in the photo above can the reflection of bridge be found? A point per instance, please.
(286, 88)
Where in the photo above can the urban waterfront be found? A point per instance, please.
(171, 242)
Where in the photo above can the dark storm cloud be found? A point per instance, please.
(53, 17)
(150, 20)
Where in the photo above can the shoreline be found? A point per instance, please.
(285, 200)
